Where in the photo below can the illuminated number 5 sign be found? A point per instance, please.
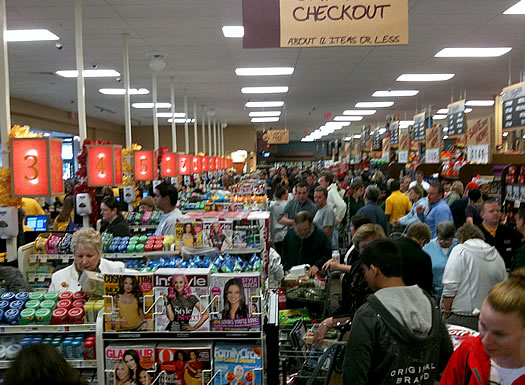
(36, 167)
(144, 165)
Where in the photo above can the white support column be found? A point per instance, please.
(186, 132)
(203, 130)
(127, 111)
(155, 120)
(5, 113)
(214, 137)
(195, 134)
(173, 124)
(209, 133)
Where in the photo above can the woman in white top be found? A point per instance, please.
(87, 250)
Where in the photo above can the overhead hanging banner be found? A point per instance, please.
(204, 163)
(324, 23)
(513, 98)
(433, 138)
(100, 165)
(394, 133)
(456, 118)
(196, 164)
(419, 127)
(168, 165)
(144, 165)
(277, 136)
(184, 162)
(117, 161)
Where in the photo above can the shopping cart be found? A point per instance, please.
(312, 293)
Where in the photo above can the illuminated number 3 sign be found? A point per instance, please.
(36, 167)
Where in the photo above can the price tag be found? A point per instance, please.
(33, 259)
(432, 155)
(403, 157)
(41, 278)
(31, 277)
(5, 364)
(478, 154)
(65, 259)
(43, 258)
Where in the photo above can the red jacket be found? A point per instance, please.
(469, 365)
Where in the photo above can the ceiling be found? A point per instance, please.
(203, 61)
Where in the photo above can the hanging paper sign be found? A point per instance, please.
(144, 165)
(394, 133)
(419, 127)
(211, 164)
(478, 153)
(433, 138)
(432, 155)
(100, 165)
(196, 164)
(36, 167)
(386, 146)
(277, 136)
(117, 161)
(479, 131)
(456, 118)
(168, 165)
(204, 163)
(184, 163)
(513, 98)
(402, 157)
(404, 140)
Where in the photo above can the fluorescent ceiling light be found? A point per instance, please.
(122, 91)
(442, 111)
(394, 93)
(264, 71)
(263, 104)
(150, 105)
(382, 130)
(445, 129)
(182, 120)
(473, 52)
(424, 77)
(468, 110)
(264, 113)
(337, 124)
(445, 137)
(506, 133)
(233, 31)
(89, 73)
(357, 136)
(348, 118)
(405, 123)
(479, 103)
(516, 9)
(169, 114)
(30, 35)
(264, 90)
(347, 139)
(439, 117)
(359, 112)
(373, 105)
(47, 134)
(268, 119)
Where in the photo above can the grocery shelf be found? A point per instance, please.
(78, 364)
(210, 336)
(39, 277)
(140, 255)
(142, 227)
(38, 329)
(33, 258)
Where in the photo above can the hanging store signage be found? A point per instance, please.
(478, 153)
(36, 167)
(223, 163)
(404, 140)
(144, 165)
(168, 165)
(184, 163)
(402, 157)
(117, 161)
(432, 156)
(513, 99)
(479, 131)
(386, 145)
(394, 133)
(100, 166)
(211, 164)
(324, 23)
(217, 163)
(456, 118)
(276, 136)
(433, 138)
(196, 164)
(204, 163)
(419, 127)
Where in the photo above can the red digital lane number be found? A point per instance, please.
(100, 165)
(29, 167)
(168, 165)
(117, 157)
(184, 162)
(196, 164)
(204, 163)
(144, 165)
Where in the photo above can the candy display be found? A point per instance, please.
(136, 243)
(143, 218)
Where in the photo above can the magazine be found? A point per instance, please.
(238, 364)
(185, 364)
(129, 363)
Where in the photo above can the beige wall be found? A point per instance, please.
(235, 137)
(52, 119)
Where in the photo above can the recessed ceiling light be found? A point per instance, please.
(264, 113)
(89, 73)
(264, 90)
(233, 31)
(30, 35)
(439, 117)
(122, 91)
(357, 136)
(347, 139)
(169, 114)
(267, 119)
(182, 120)
(467, 110)
(479, 103)
(405, 123)
(264, 71)
(263, 104)
(473, 52)
(516, 9)
(373, 104)
(442, 111)
(150, 105)
(382, 130)
(359, 112)
(394, 93)
(424, 77)
(348, 118)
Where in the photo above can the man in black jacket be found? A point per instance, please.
(398, 335)
(305, 243)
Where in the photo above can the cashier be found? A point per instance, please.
(87, 250)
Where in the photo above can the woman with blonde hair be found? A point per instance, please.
(497, 355)
(456, 192)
